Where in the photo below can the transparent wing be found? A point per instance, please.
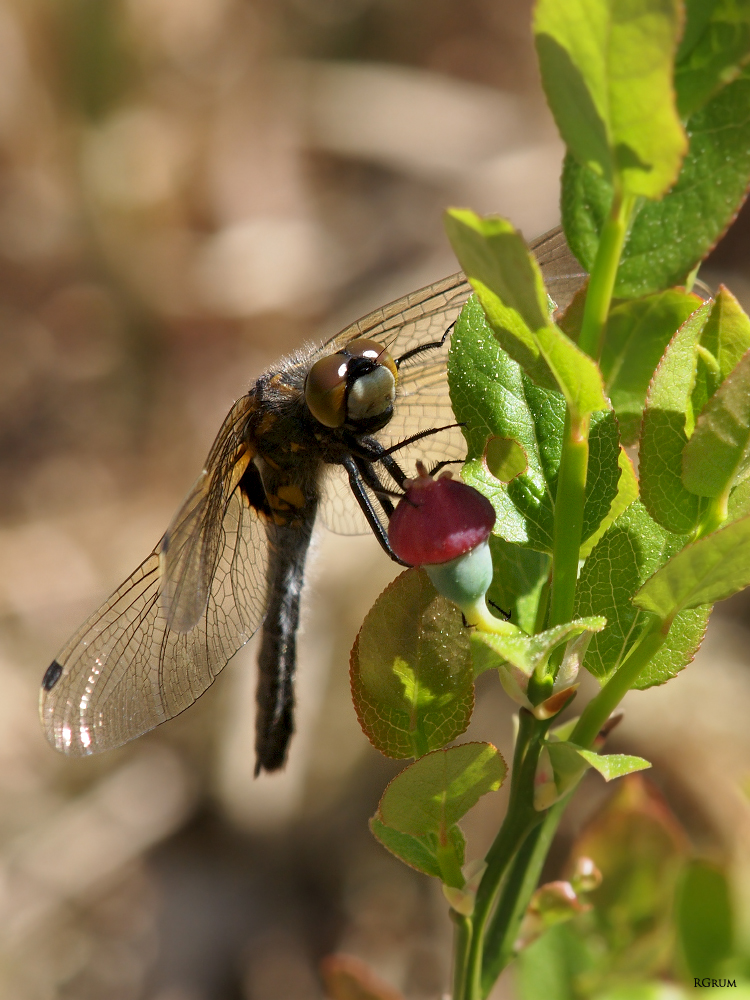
(563, 275)
(423, 402)
(191, 544)
(141, 659)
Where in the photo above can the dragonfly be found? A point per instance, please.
(326, 433)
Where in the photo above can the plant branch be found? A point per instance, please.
(604, 274)
(461, 954)
(519, 886)
(571, 492)
(599, 709)
(520, 820)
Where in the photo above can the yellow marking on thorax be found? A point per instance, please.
(293, 495)
(266, 422)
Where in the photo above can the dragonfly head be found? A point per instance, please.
(355, 387)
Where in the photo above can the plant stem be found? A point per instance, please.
(715, 515)
(520, 820)
(523, 840)
(461, 954)
(529, 860)
(518, 889)
(571, 492)
(497, 947)
(603, 275)
(599, 709)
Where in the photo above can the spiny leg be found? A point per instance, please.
(358, 488)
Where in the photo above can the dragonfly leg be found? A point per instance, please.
(383, 494)
(441, 465)
(372, 450)
(424, 347)
(357, 483)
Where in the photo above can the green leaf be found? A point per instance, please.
(739, 501)
(627, 492)
(418, 812)
(664, 433)
(714, 48)
(629, 552)
(698, 14)
(551, 967)
(509, 285)
(613, 765)
(638, 846)
(636, 336)
(607, 72)
(505, 458)
(519, 575)
(567, 764)
(717, 456)
(494, 254)
(709, 570)
(685, 637)
(420, 852)
(704, 919)
(527, 652)
(417, 852)
(604, 471)
(725, 338)
(493, 398)
(434, 792)
(669, 238)
(411, 671)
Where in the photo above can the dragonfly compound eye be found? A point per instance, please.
(358, 384)
(325, 390)
(373, 351)
(371, 388)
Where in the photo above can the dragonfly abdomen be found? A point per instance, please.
(277, 658)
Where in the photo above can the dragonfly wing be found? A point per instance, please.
(563, 275)
(423, 401)
(338, 510)
(191, 545)
(154, 646)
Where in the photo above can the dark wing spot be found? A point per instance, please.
(52, 675)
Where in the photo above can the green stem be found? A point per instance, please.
(522, 844)
(571, 492)
(603, 275)
(519, 886)
(599, 709)
(716, 514)
(520, 820)
(461, 954)
(497, 946)
(540, 621)
(527, 865)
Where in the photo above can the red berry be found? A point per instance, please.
(438, 520)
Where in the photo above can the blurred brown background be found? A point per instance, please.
(189, 189)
